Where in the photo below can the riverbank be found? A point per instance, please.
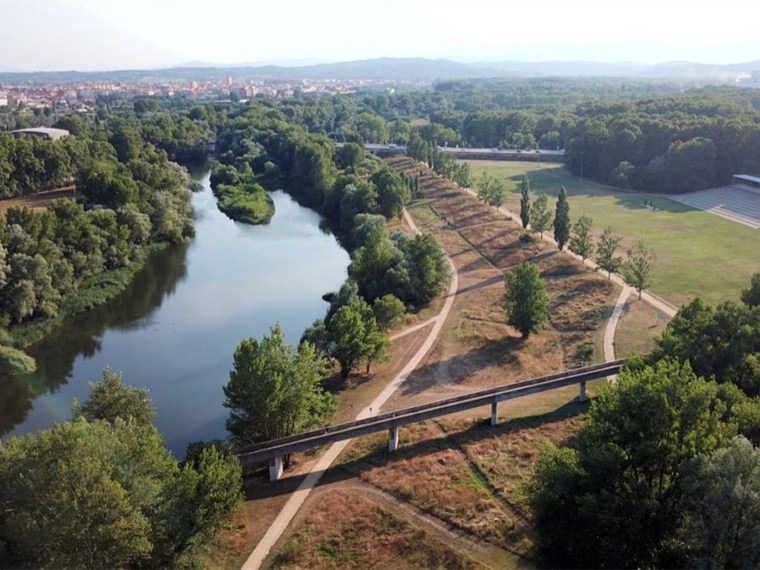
(90, 294)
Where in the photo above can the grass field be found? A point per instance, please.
(698, 254)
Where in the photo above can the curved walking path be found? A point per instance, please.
(274, 532)
(612, 323)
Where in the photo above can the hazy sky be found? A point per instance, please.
(105, 34)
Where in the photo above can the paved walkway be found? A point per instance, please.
(299, 496)
(612, 323)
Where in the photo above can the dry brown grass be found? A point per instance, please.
(467, 473)
(478, 349)
(430, 475)
(347, 530)
(506, 459)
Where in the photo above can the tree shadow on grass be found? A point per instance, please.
(629, 199)
(335, 384)
(485, 283)
(454, 370)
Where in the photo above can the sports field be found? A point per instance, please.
(698, 254)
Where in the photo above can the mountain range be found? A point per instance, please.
(405, 69)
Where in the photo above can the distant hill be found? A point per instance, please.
(403, 69)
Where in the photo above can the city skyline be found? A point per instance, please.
(88, 36)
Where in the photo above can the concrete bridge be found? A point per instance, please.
(273, 451)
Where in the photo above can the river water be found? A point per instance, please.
(175, 328)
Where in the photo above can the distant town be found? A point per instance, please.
(81, 97)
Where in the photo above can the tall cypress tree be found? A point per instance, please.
(525, 202)
(562, 219)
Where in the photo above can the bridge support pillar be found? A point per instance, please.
(494, 413)
(275, 468)
(582, 394)
(393, 439)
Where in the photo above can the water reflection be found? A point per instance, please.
(175, 328)
(82, 335)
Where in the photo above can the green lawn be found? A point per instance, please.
(698, 254)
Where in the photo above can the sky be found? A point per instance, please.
(103, 34)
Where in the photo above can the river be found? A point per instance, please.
(175, 328)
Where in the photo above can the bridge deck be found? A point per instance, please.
(261, 452)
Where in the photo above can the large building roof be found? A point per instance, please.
(748, 177)
(46, 132)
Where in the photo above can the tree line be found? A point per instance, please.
(45, 256)
(680, 143)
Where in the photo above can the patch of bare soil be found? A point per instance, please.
(38, 201)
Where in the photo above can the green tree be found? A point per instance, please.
(207, 492)
(527, 304)
(721, 342)
(354, 333)
(721, 503)
(350, 154)
(540, 214)
(110, 399)
(751, 296)
(371, 262)
(580, 241)
(275, 389)
(614, 502)
(423, 272)
(525, 202)
(392, 195)
(61, 507)
(461, 174)
(388, 311)
(377, 347)
(14, 361)
(126, 141)
(491, 190)
(637, 269)
(562, 219)
(605, 251)
(107, 184)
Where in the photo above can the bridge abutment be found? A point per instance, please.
(582, 394)
(494, 413)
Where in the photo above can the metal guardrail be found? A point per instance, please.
(262, 452)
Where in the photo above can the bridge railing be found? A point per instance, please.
(274, 450)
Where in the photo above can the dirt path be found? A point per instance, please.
(39, 201)
(295, 502)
